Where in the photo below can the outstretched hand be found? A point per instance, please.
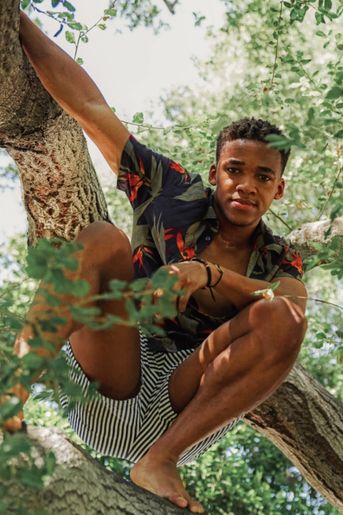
(191, 276)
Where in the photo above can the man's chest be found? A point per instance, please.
(233, 259)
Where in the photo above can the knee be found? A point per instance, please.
(281, 326)
(108, 250)
(104, 239)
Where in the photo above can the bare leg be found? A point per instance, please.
(111, 357)
(234, 370)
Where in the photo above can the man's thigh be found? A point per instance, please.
(112, 356)
(185, 380)
(260, 323)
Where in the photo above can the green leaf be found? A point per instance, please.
(31, 478)
(273, 286)
(84, 314)
(70, 36)
(15, 444)
(80, 288)
(55, 3)
(335, 92)
(338, 134)
(138, 118)
(139, 285)
(75, 25)
(32, 361)
(25, 3)
(50, 463)
(68, 6)
(110, 12)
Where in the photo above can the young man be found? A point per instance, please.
(164, 401)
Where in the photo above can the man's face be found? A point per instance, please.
(247, 179)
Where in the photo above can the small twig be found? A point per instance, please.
(276, 47)
(281, 219)
(148, 127)
(316, 300)
(268, 294)
(83, 34)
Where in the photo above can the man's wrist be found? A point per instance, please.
(217, 274)
(214, 273)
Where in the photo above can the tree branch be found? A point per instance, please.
(80, 484)
(305, 422)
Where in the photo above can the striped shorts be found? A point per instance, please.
(128, 428)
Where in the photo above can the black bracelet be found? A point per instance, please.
(220, 270)
(209, 275)
(208, 270)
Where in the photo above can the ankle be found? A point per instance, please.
(158, 455)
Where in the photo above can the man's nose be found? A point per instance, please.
(246, 185)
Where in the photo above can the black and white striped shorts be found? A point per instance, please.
(128, 428)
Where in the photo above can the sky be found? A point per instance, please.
(132, 70)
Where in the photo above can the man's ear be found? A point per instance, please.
(280, 189)
(212, 175)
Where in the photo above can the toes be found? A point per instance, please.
(184, 502)
(195, 507)
(179, 500)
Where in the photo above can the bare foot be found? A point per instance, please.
(162, 478)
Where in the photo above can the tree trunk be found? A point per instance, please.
(60, 187)
(62, 195)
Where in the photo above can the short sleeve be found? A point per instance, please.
(143, 172)
(291, 265)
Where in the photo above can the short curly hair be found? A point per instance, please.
(250, 128)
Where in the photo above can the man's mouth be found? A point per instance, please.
(242, 204)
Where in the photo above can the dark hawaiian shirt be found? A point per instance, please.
(174, 220)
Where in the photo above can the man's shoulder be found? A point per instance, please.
(285, 259)
(268, 237)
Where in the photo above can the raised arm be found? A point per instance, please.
(74, 91)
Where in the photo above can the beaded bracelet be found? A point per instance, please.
(209, 275)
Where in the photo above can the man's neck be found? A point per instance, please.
(236, 236)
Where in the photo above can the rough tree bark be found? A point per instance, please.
(80, 485)
(38, 135)
(62, 195)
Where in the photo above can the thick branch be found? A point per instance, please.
(306, 423)
(315, 231)
(81, 485)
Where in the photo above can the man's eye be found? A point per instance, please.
(265, 178)
(233, 170)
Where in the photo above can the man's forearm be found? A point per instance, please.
(238, 288)
(64, 79)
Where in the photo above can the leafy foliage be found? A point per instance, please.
(49, 263)
(244, 473)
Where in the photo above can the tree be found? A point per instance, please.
(301, 418)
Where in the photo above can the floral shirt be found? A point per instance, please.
(174, 220)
